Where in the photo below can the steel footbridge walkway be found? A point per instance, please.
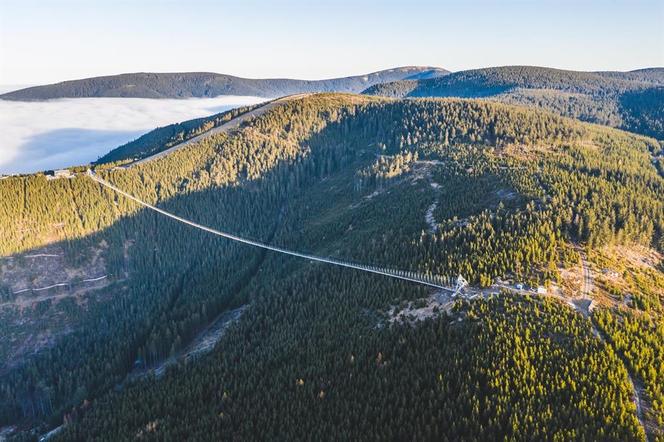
(454, 285)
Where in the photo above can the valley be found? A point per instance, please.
(331, 221)
(509, 197)
(54, 134)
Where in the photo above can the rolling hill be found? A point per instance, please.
(628, 100)
(505, 195)
(207, 84)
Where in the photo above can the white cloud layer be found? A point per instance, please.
(66, 132)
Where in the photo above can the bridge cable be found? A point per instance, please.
(397, 274)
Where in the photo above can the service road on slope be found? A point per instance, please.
(222, 129)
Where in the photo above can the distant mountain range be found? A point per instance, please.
(209, 84)
(627, 100)
(491, 81)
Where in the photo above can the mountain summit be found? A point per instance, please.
(626, 100)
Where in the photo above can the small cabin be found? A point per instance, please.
(63, 173)
(58, 173)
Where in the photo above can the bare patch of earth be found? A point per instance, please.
(421, 309)
(44, 296)
(48, 267)
(203, 343)
(639, 256)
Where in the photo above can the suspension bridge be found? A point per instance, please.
(450, 284)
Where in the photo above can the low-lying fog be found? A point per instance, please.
(72, 131)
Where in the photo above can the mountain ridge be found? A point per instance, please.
(210, 84)
(626, 100)
(511, 76)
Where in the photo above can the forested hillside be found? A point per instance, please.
(628, 100)
(165, 137)
(445, 187)
(209, 84)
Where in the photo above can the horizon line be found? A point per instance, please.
(27, 85)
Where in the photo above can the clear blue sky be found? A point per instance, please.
(52, 40)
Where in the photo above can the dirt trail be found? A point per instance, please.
(583, 305)
(224, 128)
(637, 388)
(429, 218)
(203, 343)
(588, 281)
